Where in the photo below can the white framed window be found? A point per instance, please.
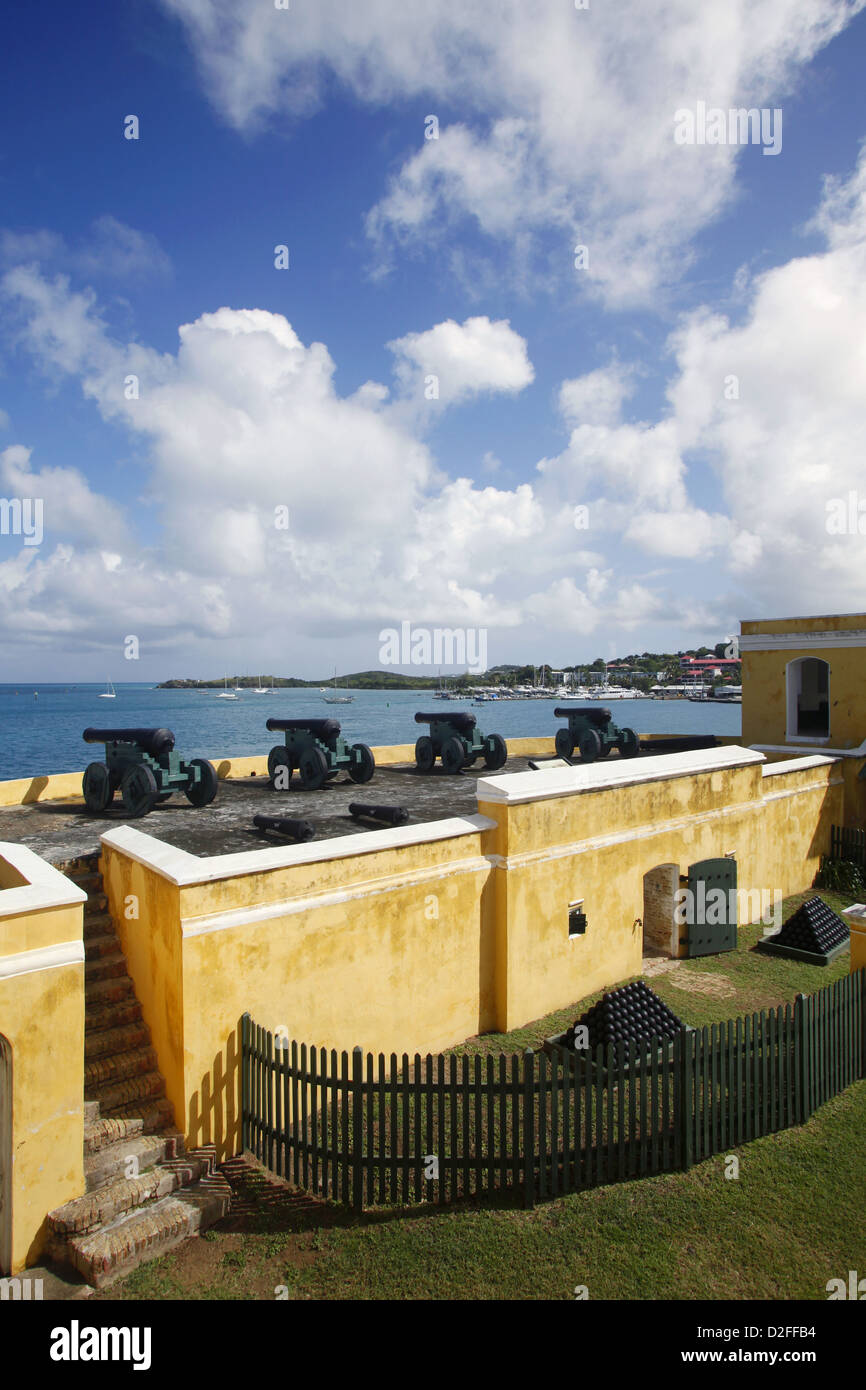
(807, 683)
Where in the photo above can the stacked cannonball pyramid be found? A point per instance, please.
(630, 1014)
(814, 927)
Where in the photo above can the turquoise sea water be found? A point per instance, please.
(43, 734)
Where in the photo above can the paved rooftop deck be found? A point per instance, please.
(61, 831)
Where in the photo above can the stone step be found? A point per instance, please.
(97, 925)
(148, 1232)
(113, 1199)
(156, 1114)
(104, 1132)
(112, 1041)
(100, 1018)
(101, 1070)
(90, 880)
(120, 1094)
(91, 1112)
(105, 967)
(131, 1155)
(97, 902)
(101, 944)
(113, 990)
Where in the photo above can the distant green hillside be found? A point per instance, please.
(358, 680)
(641, 670)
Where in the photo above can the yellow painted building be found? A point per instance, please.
(804, 689)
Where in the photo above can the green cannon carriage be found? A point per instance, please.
(144, 765)
(316, 749)
(455, 739)
(591, 730)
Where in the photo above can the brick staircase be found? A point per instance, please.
(144, 1193)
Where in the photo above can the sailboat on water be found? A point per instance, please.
(109, 693)
(226, 694)
(336, 699)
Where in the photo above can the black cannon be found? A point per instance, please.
(316, 749)
(292, 829)
(144, 765)
(591, 729)
(391, 815)
(455, 739)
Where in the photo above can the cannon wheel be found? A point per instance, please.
(629, 745)
(563, 743)
(313, 769)
(496, 752)
(361, 769)
(453, 755)
(589, 745)
(97, 788)
(279, 758)
(202, 793)
(425, 754)
(604, 748)
(139, 791)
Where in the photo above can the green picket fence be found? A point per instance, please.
(848, 842)
(376, 1131)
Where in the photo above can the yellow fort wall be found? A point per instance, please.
(413, 939)
(388, 950)
(597, 847)
(42, 1022)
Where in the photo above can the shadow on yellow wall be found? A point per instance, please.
(214, 1115)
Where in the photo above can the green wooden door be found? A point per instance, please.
(711, 907)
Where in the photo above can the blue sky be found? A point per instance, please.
(607, 386)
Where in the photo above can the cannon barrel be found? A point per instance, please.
(296, 829)
(594, 713)
(392, 815)
(463, 722)
(153, 741)
(319, 728)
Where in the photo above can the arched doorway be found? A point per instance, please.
(808, 698)
(5, 1157)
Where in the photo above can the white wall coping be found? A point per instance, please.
(859, 752)
(43, 958)
(46, 886)
(796, 764)
(798, 641)
(184, 869)
(515, 787)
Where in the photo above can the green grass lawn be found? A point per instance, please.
(794, 1218)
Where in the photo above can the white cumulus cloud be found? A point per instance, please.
(565, 118)
(467, 359)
